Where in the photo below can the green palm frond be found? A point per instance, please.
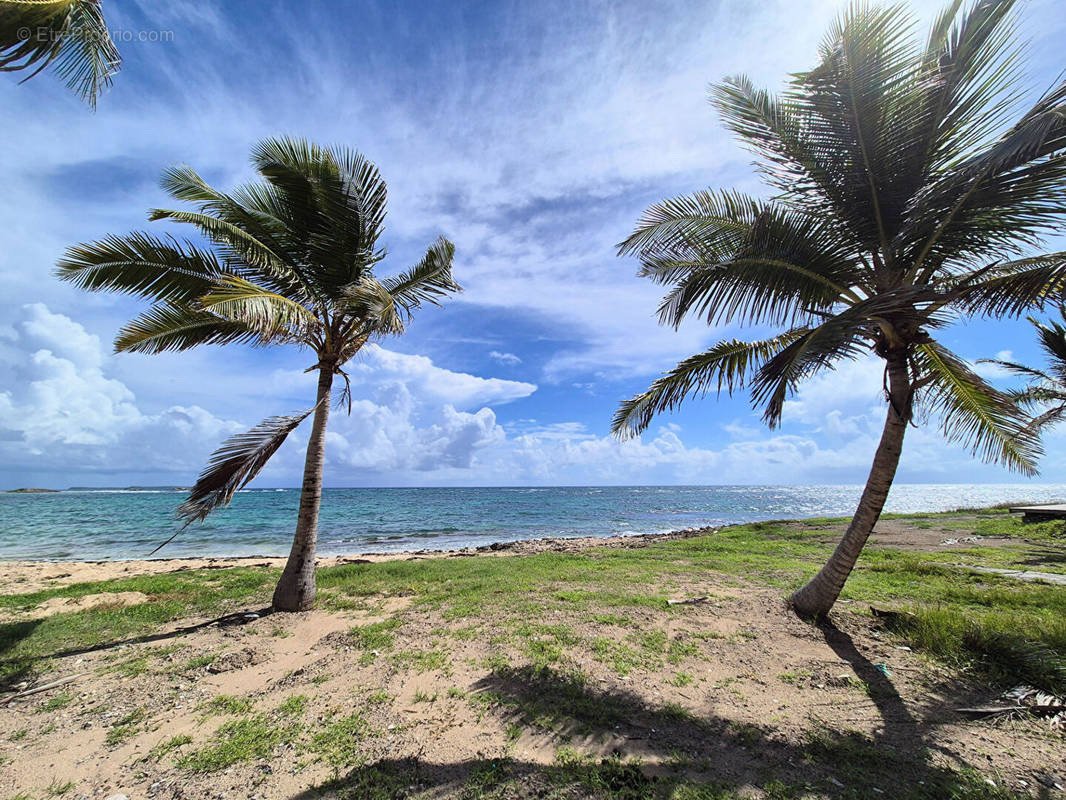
(975, 413)
(1020, 370)
(1052, 337)
(267, 313)
(372, 309)
(1050, 418)
(772, 128)
(70, 36)
(139, 264)
(234, 464)
(244, 225)
(427, 281)
(333, 201)
(840, 337)
(707, 225)
(735, 258)
(728, 365)
(173, 327)
(970, 66)
(1010, 288)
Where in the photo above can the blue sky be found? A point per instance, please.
(531, 134)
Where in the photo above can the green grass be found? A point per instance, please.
(228, 704)
(375, 638)
(61, 700)
(169, 746)
(294, 705)
(606, 585)
(423, 660)
(57, 789)
(236, 741)
(27, 645)
(338, 743)
(126, 727)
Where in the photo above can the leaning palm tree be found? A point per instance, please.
(292, 262)
(903, 199)
(70, 36)
(1045, 391)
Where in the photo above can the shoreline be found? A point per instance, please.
(24, 575)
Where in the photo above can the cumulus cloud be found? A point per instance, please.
(64, 412)
(611, 121)
(61, 410)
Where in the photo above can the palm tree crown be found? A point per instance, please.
(903, 199)
(291, 261)
(71, 36)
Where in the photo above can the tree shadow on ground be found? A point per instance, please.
(11, 633)
(1042, 556)
(16, 669)
(644, 751)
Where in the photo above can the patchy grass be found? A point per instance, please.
(236, 741)
(228, 704)
(169, 746)
(61, 700)
(338, 743)
(994, 628)
(376, 635)
(607, 580)
(294, 705)
(27, 645)
(126, 727)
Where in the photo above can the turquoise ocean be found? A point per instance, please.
(111, 524)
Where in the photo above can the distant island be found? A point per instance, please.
(32, 491)
(128, 489)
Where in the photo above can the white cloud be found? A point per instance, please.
(610, 120)
(508, 359)
(63, 412)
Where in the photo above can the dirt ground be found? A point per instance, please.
(738, 703)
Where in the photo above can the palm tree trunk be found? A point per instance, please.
(296, 587)
(817, 597)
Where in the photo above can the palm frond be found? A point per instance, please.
(333, 200)
(258, 309)
(157, 269)
(246, 224)
(967, 78)
(70, 36)
(974, 413)
(727, 365)
(998, 201)
(854, 105)
(707, 225)
(427, 281)
(1052, 337)
(234, 464)
(372, 309)
(172, 327)
(1020, 370)
(735, 258)
(838, 338)
(1013, 287)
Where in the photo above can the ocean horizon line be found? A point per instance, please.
(181, 488)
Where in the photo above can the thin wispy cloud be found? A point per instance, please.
(533, 135)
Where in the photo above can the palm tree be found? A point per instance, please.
(71, 36)
(291, 262)
(1046, 389)
(904, 199)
